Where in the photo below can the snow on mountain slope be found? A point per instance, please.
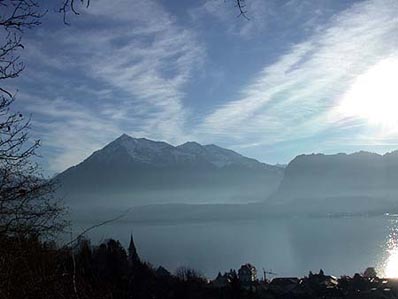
(160, 154)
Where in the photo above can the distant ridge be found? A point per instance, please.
(341, 182)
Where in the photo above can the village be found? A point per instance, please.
(319, 285)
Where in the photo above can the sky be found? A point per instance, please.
(297, 76)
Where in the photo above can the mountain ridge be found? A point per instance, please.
(147, 151)
(146, 171)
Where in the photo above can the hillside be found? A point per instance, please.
(340, 183)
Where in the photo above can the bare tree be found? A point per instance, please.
(188, 274)
(28, 209)
(26, 199)
(27, 202)
(15, 17)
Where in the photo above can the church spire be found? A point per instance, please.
(133, 256)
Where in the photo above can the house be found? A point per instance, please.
(322, 280)
(247, 274)
(221, 281)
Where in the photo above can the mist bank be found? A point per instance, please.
(204, 213)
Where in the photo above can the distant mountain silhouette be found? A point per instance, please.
(340, 182)
(136, 171)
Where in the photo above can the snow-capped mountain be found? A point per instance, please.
(161, 154)
(138, 167)
(140, 151)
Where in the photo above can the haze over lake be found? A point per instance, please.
(288, 246)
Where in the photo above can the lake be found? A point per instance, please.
(286, 246)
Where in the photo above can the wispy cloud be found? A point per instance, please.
(295, 97)
(112, 71)
(68, 131)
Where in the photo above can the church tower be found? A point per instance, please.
(133, 256)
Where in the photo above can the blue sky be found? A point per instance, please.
(300, 76)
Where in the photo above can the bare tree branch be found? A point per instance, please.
(241, 5)
(96, 226)
(70, 6)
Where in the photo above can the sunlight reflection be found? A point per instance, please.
(391, 263)
(391, 268)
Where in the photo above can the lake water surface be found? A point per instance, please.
(288, 246)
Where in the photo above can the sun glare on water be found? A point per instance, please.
(374, 96)
(391, 267)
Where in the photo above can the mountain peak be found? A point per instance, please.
(129, 142)
(191, 147)
(124, 136)
(190, 144)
